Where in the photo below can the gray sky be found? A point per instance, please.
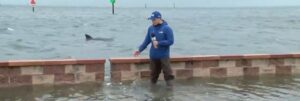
(159, 3)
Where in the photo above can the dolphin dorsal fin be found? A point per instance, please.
(88, 37)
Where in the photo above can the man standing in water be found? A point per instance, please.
(161, 37)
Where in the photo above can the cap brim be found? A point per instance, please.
(151, 18)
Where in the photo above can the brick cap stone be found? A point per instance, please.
(12, 63)
(206, 57)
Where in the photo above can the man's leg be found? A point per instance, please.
(155, 66)
(167, 70)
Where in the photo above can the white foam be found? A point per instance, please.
(108, 84)
(10, 29)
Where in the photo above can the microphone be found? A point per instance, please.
(153, 38)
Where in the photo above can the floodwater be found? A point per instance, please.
(264, 88)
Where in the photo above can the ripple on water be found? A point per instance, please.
(19, 46)
(126, 50)
(47, 50)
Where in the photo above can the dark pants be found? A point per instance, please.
(158, 65)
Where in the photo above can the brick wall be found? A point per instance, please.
(128, 69)
(32, 72)
(71, 71)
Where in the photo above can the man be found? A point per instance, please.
(161, 37)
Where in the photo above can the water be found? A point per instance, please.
(58, 32)
(266, 88)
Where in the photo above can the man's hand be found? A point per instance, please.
(136, 53)
(155, 44)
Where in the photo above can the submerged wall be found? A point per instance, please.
(127, 69)
(31, 72)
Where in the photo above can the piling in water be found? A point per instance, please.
(113, 8)
(33, 9)
(174, 5)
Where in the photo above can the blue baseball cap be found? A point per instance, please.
(155, 15)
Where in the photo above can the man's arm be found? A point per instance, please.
(146, 42)
(169, 38)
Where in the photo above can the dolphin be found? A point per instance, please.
(89, 38)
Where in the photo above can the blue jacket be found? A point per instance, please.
(165, 38)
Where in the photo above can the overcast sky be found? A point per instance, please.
(159, 3)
